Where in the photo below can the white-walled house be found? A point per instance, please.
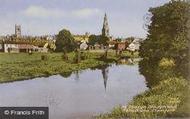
(17, 48)
(83, 46)
(11, 48)
(135, 45)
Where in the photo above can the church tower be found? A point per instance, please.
(105, 29)
(17, 30)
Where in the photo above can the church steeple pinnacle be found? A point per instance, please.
(105, 29)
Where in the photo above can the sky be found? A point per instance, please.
(43, 17)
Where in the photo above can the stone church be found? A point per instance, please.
(17, 30)
(105, 29)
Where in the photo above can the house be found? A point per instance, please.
(83, 46)
(112, 44)
(97, 46)
(16, 48)
(42, 49)
(135, 45)
(10, 48)
(21, 47)
(120, 46)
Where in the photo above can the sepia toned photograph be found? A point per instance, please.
(94, 59)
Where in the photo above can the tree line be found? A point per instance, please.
(165, 52)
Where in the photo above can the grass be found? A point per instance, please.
(132, 55)
(124, 53)
(23, 66)
(170, 98)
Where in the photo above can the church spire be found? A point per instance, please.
(105, 29)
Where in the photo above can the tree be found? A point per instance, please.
(130, 40)
(65, 41)
(118, 39)
(93, 39)
(103, 40)
(168, 40)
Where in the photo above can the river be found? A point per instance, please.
(78, 96)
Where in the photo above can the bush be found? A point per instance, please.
(165, 70)
(44, 57)
(166, 63)
(85, 55)
(65, 57)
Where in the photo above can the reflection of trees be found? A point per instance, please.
(127, 60)
(105, 71)
(77, 75)
(66, 74)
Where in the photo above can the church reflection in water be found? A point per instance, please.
(105, 71)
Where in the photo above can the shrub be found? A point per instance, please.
(65, 56)
(165, 70)
(44, 57)
(166, 63)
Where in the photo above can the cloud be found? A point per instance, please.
(41, 12)
(86, 12)
(38, 11)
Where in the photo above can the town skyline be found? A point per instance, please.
(39, 18)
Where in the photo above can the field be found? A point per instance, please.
(24, 66)
(20, 66)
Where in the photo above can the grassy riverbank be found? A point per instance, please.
(170, 98)
(24, 66)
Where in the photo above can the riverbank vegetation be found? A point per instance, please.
(165, 66)
(24, 66)
(20, 66)
(170, 98)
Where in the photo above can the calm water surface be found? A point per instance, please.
(78, 96)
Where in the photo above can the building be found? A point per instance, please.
(112, 44)
(135, 45)
(16, 48)
(120, 46)
(83, 46)
(17, 30)
(22, 47)
(105, 29)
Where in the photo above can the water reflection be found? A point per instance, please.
(128, 60)
(66, 74)
(104, 69)
(77, 75)
(105, 72)
(67, 99)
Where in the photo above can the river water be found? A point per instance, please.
(80, 95)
